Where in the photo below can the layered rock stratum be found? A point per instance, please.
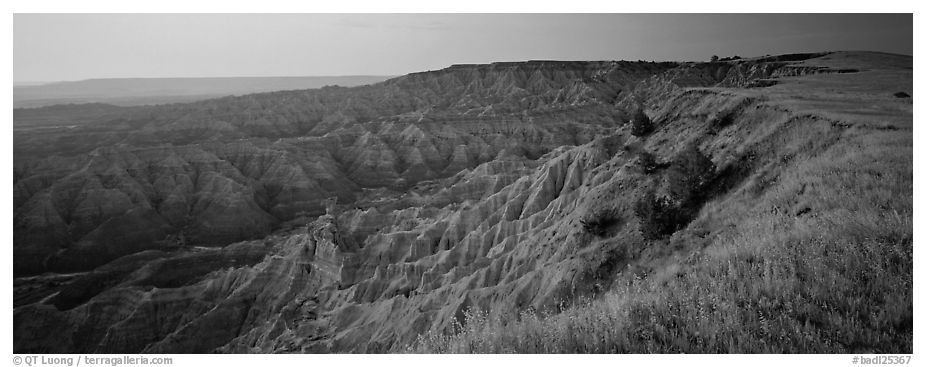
(202, 227)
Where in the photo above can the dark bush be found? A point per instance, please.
(600, 222)
(720, 120)
(657, 215)
(689, 174)
(640, 124)
(647, 162)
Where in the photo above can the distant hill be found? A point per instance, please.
(142, 91)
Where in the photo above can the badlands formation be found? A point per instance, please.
(356, 219)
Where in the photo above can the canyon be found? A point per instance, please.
(361, 219)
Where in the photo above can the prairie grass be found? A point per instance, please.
(819, 262)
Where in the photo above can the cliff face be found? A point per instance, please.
(464, 188)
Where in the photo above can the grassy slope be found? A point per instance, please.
(812, 254)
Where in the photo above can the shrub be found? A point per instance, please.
(640, 124)
(599, 222)
(689, 174)
(657, 215)
(647, 162)
(720, 120)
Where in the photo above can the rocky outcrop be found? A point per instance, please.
(125, 305)
(217, 193)
(125, 200)
(213, 180)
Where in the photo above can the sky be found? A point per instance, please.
(57, 47)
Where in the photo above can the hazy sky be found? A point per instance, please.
(51, 47)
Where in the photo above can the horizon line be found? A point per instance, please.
(33, 83)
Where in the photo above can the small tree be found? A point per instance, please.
(640, 124)
(714, 58)
(657, 216)
(689, 174)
